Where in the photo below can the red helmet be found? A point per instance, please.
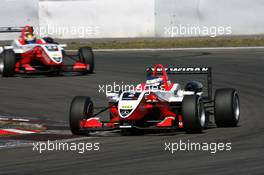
(27, 34)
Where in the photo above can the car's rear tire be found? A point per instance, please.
(227, 108)
(86, 55)
(81, 108)
(193, 112)
(8, 63)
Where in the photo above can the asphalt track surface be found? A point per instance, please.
(48, 98)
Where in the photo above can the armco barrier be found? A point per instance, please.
(101, 18)
(244, 17)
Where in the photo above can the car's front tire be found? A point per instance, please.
(193, 112)
(227, 108)
(81, 108)
(8, 63)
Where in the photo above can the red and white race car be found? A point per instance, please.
(28, 55)
(160, 104)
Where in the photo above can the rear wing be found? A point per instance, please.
(11, 29)
(188, 71)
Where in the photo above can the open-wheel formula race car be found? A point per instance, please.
(28, 55)
(159, 104)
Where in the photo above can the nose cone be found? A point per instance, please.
(128, 103)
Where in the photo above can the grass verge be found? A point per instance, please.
(167, 43)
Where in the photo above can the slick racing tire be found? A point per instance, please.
(227, 108)
(8, 63)
(86, 55)
(193, 112)
(81, 108)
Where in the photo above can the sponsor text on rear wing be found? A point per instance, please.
(187, 71)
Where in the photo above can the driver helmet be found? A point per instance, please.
(154, 81)
(29, 35)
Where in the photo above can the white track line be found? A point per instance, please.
(14, 118)
(174, 49)
(21, 120)
(18, 144)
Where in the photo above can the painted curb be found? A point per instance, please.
(17, 131)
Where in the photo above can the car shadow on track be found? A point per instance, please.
(53, 75)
